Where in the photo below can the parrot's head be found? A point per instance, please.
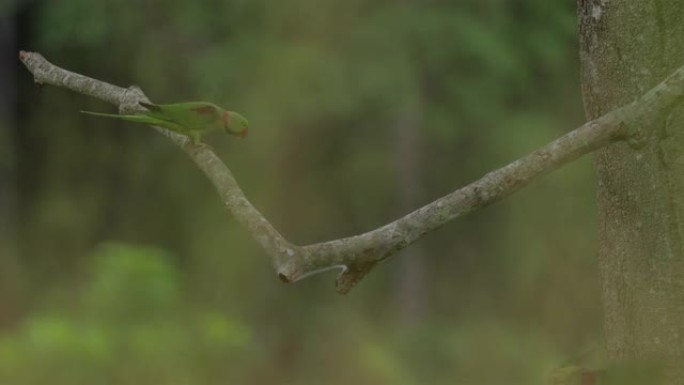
(236, 124)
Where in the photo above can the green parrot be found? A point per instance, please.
(193, 119)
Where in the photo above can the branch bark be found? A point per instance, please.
(357, 255)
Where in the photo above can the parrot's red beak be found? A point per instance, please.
(243, 134)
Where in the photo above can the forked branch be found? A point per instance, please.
(357, 255)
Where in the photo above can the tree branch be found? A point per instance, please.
(357, 255)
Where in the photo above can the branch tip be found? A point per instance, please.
(351, 275)
(284, 278)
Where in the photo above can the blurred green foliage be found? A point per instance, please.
(507, 292)
(126, 323)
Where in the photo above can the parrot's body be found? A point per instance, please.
(193, 119)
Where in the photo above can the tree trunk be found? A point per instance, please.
(626, 47)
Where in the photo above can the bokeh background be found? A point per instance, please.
(118, 264)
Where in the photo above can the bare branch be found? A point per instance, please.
(357, 255)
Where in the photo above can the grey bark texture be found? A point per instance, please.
(357, 255)
(626, 47)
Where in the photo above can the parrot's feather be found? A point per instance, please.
(192, 115)
(130, 118)
(143, 119)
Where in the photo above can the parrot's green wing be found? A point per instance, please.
(192, 115)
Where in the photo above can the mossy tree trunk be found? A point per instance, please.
(626, 47)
